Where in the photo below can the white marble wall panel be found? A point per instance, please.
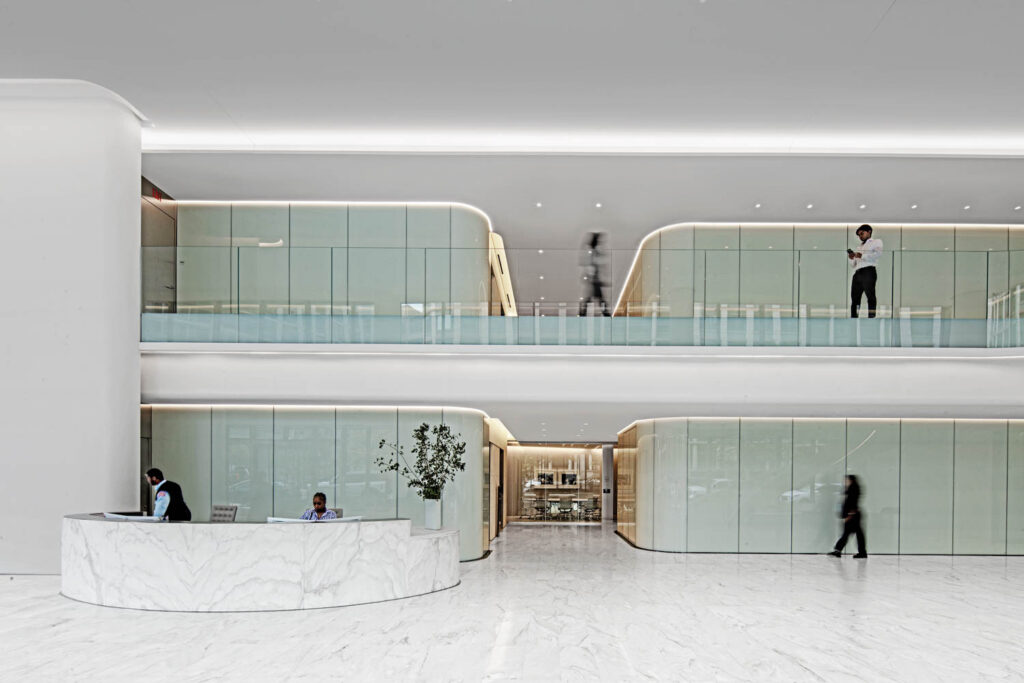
(251, 567)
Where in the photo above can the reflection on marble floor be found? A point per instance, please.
(568, 603)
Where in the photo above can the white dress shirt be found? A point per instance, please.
(870, 250)
(163, 499)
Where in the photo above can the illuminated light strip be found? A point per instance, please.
(307, 406)
(424, 141)
(333, 202)
(634, 423)
(800, 224)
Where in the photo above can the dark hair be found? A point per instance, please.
(864, 227)
(854, 484)
(154, 472)
(321, 496)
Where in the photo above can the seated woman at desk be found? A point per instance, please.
(319, 511)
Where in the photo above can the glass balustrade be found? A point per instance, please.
(683, 297)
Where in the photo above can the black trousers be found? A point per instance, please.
(864, 280)
(594, 293)
(852, 526)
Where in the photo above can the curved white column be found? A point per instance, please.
(70, 165)
(252, 567)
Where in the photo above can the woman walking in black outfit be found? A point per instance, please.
(851, 519)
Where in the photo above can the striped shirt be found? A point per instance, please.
(310, 515)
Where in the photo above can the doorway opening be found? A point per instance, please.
(553, 483)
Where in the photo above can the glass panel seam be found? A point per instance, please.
(899, 488)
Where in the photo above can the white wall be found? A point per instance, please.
(69, 272)
(605, 387)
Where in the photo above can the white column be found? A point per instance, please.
(70, 162)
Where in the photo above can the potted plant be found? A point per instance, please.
(438, 454)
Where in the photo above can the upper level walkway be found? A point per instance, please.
(729, 326)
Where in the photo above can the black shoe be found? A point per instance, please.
(836, 553)
(860, 556)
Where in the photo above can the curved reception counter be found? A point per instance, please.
(209, 567)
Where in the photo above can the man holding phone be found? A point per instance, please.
(863, 262)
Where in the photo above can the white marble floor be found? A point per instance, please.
(567, 603)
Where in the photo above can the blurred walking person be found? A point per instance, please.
(852, 519)
(592, 260)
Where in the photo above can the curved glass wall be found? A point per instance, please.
(270, 460)
(789, 284)
(315, 259)
(774, 485)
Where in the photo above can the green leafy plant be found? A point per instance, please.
(438, 454)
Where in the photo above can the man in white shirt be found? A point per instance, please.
(863, 262)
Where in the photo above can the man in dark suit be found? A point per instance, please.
(170, 503)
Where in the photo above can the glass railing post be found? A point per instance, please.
(698, 324)
(776, 312)
(831, 324)
(654, 324)
(561, 324)
(536, 322)
(750, 308)
(482, 323)
(802, 325)
(990, 322)
(456, 323)
(937, 326)
(723, 324)
(905, 337)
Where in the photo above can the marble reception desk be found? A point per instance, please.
(206, 567)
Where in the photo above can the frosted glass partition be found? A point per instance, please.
(775, 485)
(726, 270)
(270, 460)
(766, 468)
(327, 258)
(712, 519)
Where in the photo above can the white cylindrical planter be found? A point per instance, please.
(433, 513)
(70, 164)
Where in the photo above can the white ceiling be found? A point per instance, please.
(799, 66)
(240, 74)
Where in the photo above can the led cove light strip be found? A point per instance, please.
(574, 142)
